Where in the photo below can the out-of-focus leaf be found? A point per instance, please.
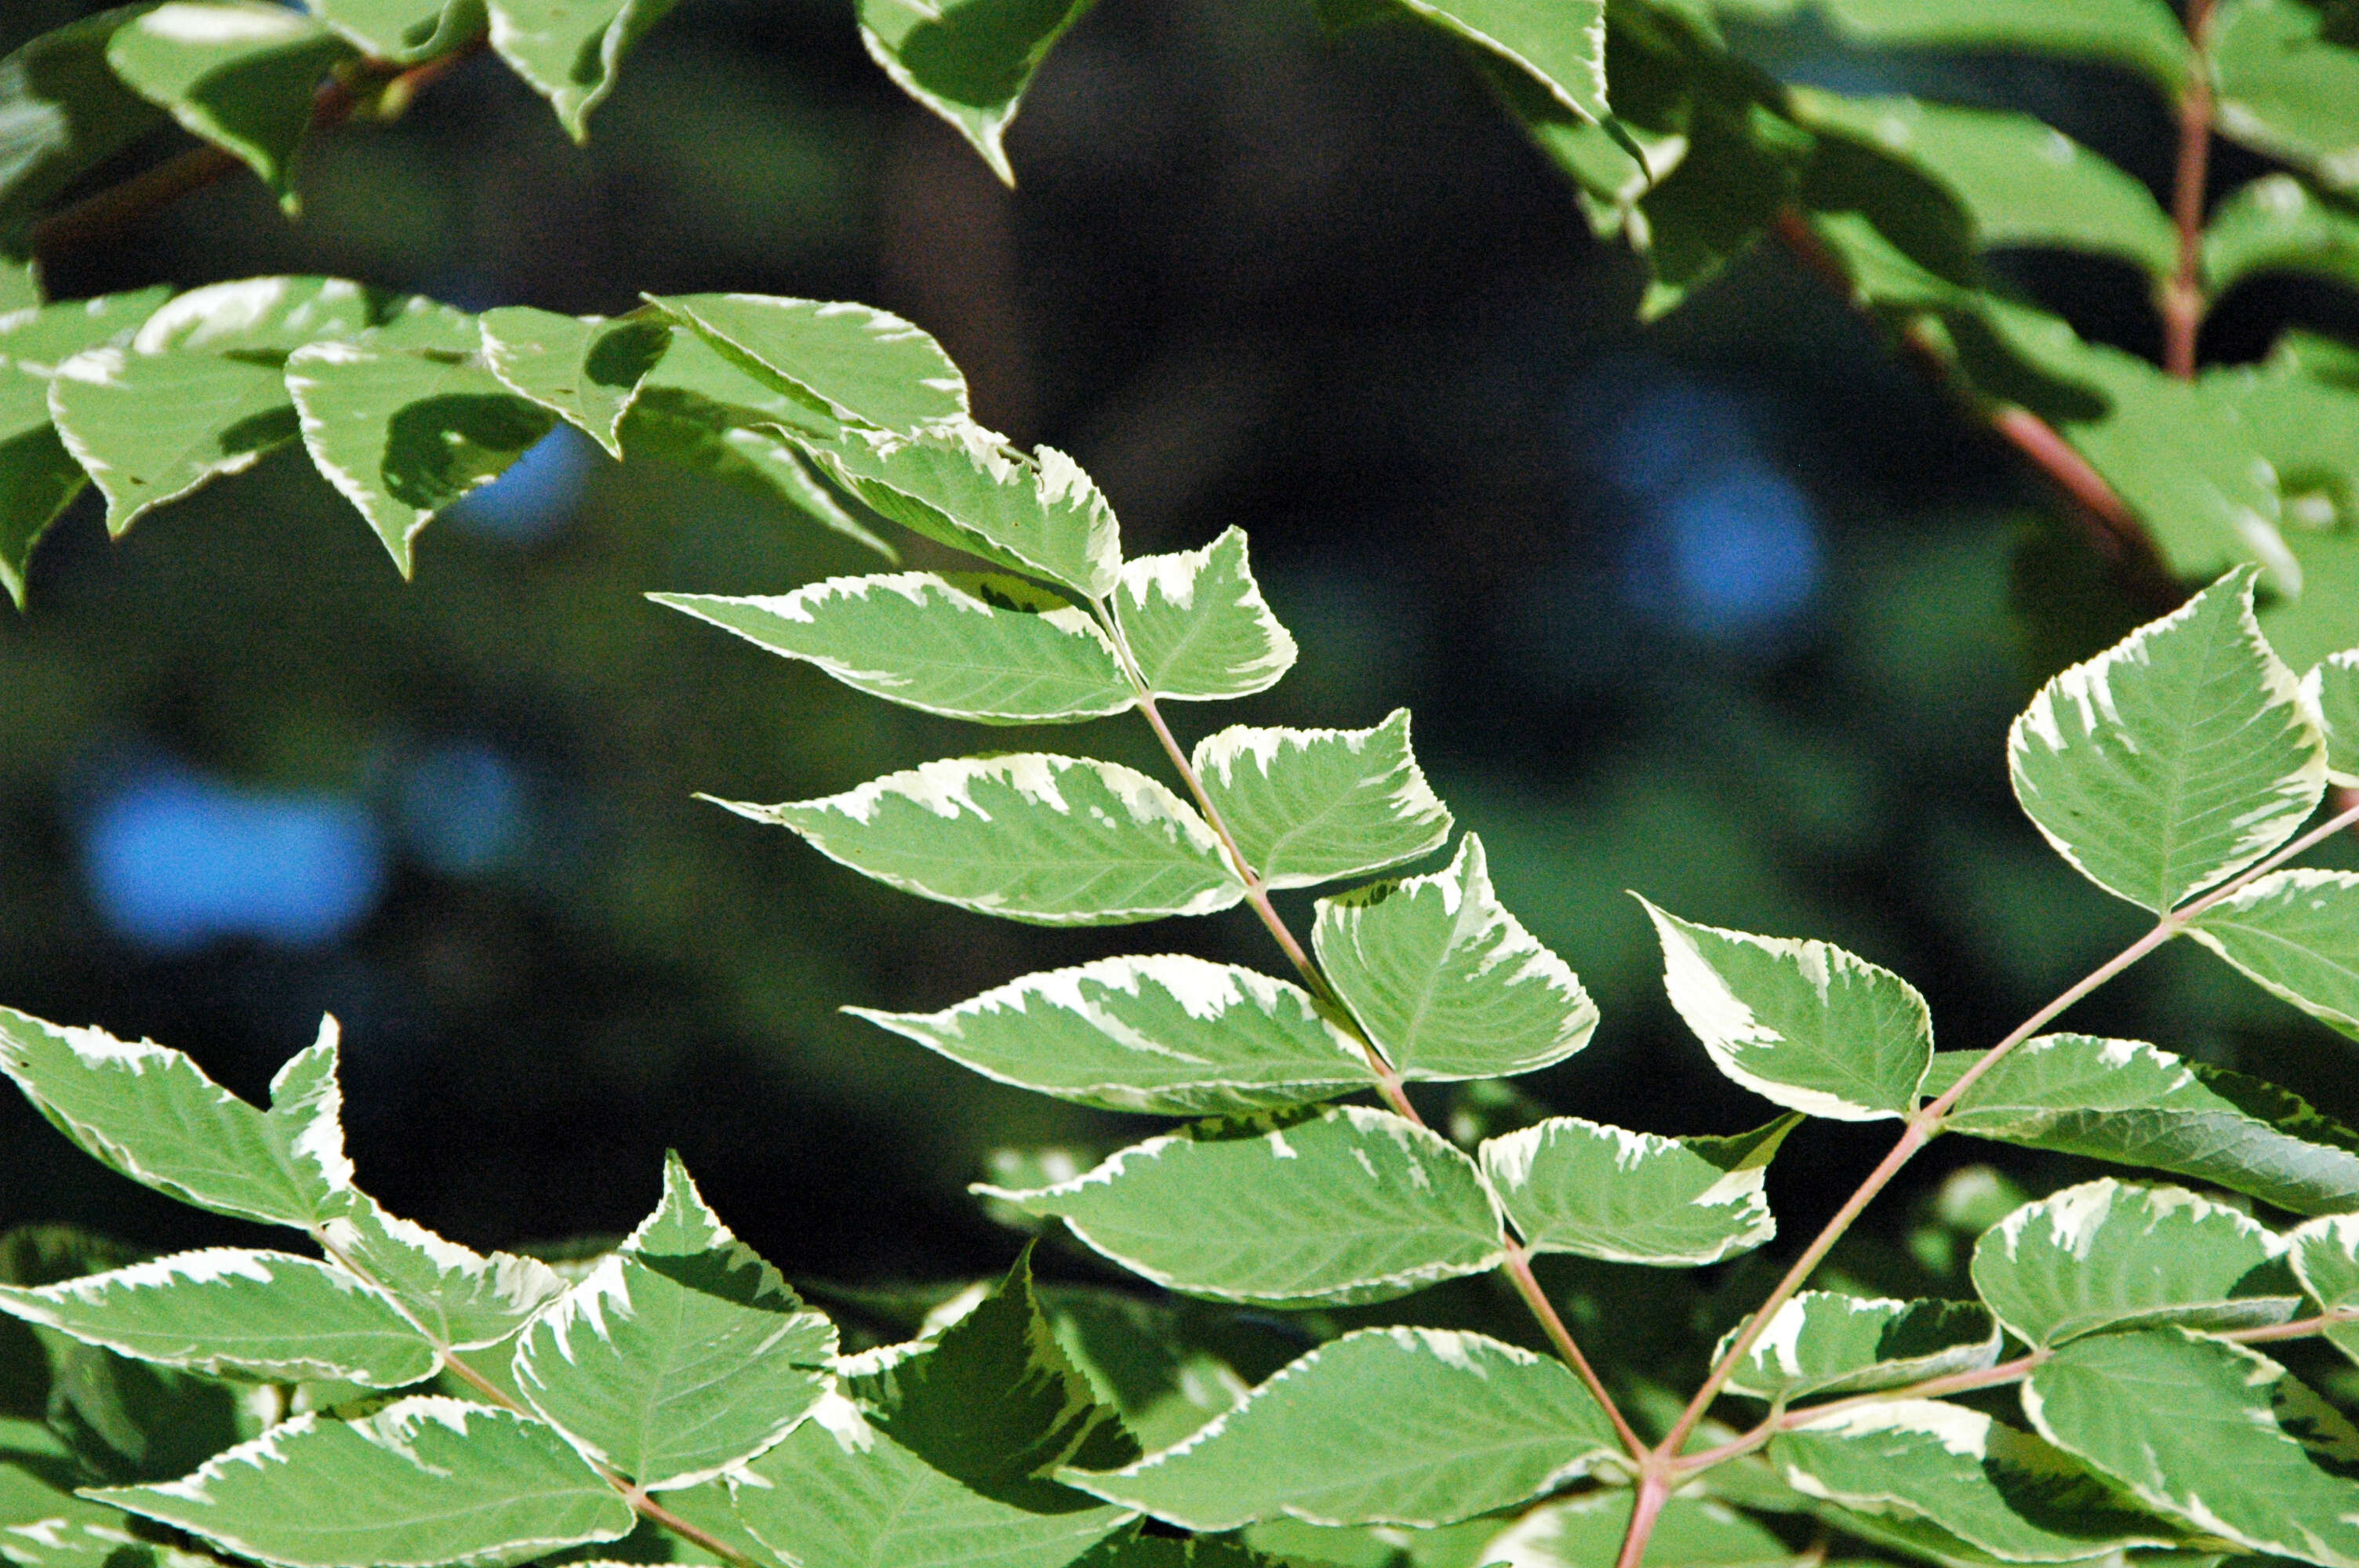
(2277, 224)
(2333, 688)
(404, 32)
(2143, 36)
(62, 113)
(1580, 1533)
(1559, 44)
(240, 74)
(2283, 89)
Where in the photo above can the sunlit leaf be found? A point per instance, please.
(240, 74)
(2277, 224)
(584, 370)
(1561, 46)
(1308, 806)
(1823, 1342)
(2333, 690)
(463, 1299)
(2285, 90)
(2295, 933)
(969, 60)
(2143, 36)
(569, 50)
(404, 32)
(851, 362)
(1197, 624)
(1632, 1197)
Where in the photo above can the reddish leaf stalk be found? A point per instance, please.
(2183, 302)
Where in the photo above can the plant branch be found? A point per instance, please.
(1519, 1270)
(2183, 301)
(103, 214)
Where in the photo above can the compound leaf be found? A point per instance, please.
(405, 435)
(1197, 626)
(994, 649)
(587, 372)
(2209, 1433)
(848, 363)
(240, 74)
(223, 1312)
(152, 1114)
(2296, 933)
(1561, 46)
(968, 61)
(1632, 1197)
(1998, 1489)
(1335, 1206)
(2107, 1255)
(1168, 1035)
(1446, 981)
(63, 111)
(679, 1354)
(446, 1482)
(2129, 1103)
(1802, 1024)
(2277, 224)
(2282, 89)
(569, 50)
(1308, 806)
(1823, 1342)
(1051, 841)
(2333, 690)
(2174, 759)
(462, 1299)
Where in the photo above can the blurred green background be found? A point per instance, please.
(1731, 610)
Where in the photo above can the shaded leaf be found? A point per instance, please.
(2143, 36)
(240, 74)
(1447, 982)
(2283, 89)
(2296, 933)
(1308, 806)
(63, 111)
(2334, 689)
(585, 370)
(2276, 224)
(404, 32)
(1632, 1197)
(1168, 1034)
(2325, 1258)
(568, 50)
(1823, 1342)
(970, 61)
(1561, 46)
(1051, 841)
(1197, 626)
(1344, 1205)
(150, 429)
(1579, 1532)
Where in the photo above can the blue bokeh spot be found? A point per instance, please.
(462, 809)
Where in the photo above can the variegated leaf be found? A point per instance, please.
(1308, 806)
(2325, 1258)
(585, 370)
(1197, 626)
(861, 364)
(1632, 1197)
(2296, 933)
(462, 1299)
(1823, 1342)
(2332, 688)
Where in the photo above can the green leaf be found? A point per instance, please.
(2295, 933)
(2143, 36)
(1308, 806)
(2019, 181)
(1131, 1550)
(1410, 1426)
(680, 1356)
(1167, 1366)
(1051, 841)
(2134, 1105)
(853, 363)
(994, 649)
(2333, 690)
(404, 32)
(62, 113)
(1991, 1485)
(2174, 759)
(585, 370)
(2277, 224)
(262, 1315)
(968, 61)
(152, 1114)
(1582, 1532)
(37, 475)
(1804, 1024)
(21, 288)
(405, 435)
(1446, 981)
(1561, 46)
(1197, 626)
(2105, 1255)
(949, 1466)
(445, 1482)
(1169, 1035)
(2325, 1258)
(460, 1299)
(963, 486)
(1631, 1197)
(240, 74)
(1823, 1342)
(2283, 89)
(1334, 1206)
(2209, 1433)
(569, 50)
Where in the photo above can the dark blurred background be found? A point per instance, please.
(1718, 610)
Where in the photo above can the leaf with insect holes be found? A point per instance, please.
(569, 50)
(2333, 690)
(2213, 1434)
(1448, 983)
(1170, 1035)
(1409, 1426)
(2175, 758)
(239, 73)
(994, 649)
(445, 1482)
(1197, 626)
(2108, 1255)
(1998, 1489)
(1050, 841)
(1308, 806)
(852, 362)
(2129, 1103)
(1802, 1024)
(463, 1299)
(1823, 1342)
(223, 1311)
(1334, 1206)
(679, 1355)
(151, 1113)
(2295, 933)
(1632, 1197)
(585, 370)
